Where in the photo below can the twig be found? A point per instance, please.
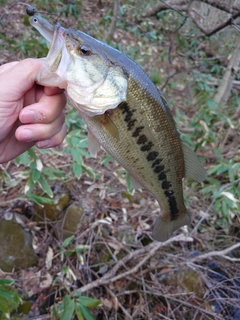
(110, 277)
(3, 204)
(221, 253)
(118, 302)
(181, 302)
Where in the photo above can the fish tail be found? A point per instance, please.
(163, 229)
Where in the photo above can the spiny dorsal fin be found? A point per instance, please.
(194, 169)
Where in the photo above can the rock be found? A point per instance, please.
(68, 224)
(52, 211)
(16, 249)
(186, 279)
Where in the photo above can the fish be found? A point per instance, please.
(126, 114)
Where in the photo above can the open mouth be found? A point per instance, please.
(56, 49)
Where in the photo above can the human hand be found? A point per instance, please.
(29, 113)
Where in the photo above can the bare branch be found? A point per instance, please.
(222, 254)
(219, 5)
(112, 27)
(175, 5)
(151, 249)
(221, 26)
(224, 89)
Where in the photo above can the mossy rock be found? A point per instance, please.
(69, 222)
(16, 249)
(52, 211)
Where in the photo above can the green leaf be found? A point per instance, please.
(86, 313)
(78, 312)
(6, 281)
(68, 308)
(9, 295)
(129, 183)
(84, 153)
(77, 169)
(54, 312)
(39, 199)
(89, 302)
(24, 159)
(76, 155)
(67, 241)
(4, 306)
(89, 171)
(35, 175)
(45, 186)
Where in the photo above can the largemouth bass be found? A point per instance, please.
(125, 114)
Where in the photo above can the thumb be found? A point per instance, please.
(19, 78)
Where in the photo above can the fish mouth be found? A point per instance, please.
(55, 65)
(57, 47)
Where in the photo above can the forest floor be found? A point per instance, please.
(113, 257)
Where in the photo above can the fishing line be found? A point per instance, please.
(31, 11)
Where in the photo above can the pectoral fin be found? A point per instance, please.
(135, 184)
(194, 169)
(109, 125)
(93, 144)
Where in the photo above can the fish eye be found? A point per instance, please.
(35, 20)
(84, 50)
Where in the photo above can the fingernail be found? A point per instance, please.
(26, 135)
(43, 144)
(28, 116)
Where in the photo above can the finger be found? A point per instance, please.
(44, 111)
(8, 66)
(39, 131)
(55, 140)
(50, 91)
(24, 72)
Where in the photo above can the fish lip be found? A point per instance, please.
(59, 33)
(57, 46)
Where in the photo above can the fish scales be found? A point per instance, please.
(126, 114)
(133, 150)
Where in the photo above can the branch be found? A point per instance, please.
(177, 5)
(225, 87)
(150, 250)
(219, 5)
(181, 5)
(218, 28)
(222, 254)
(112, 27)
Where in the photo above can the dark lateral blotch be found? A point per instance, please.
(147, 147)
(142, 139)
(152, 155)
(137, 131)
(162, 176)
(158, 169)
(166, 184)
